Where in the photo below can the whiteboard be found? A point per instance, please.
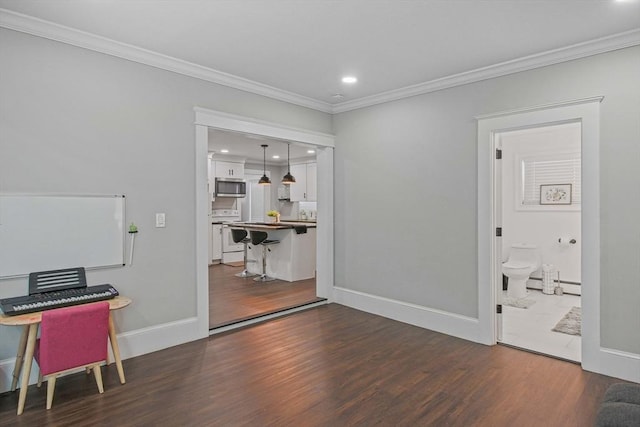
(51, 232)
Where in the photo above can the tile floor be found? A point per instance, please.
(531, 328)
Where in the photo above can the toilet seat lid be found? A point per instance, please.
(512, 264)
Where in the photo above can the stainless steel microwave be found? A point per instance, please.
(230, 187)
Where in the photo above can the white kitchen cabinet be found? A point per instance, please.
(305, 187)
(229, 169)
(216, 242)
(312, 182)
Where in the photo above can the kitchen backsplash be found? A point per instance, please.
(298, 210)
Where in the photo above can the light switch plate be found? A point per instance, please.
(160, 220)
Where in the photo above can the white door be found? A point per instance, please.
(257, 202)
(497, 239)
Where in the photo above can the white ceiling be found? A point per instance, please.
(304, 47)
(248, 148)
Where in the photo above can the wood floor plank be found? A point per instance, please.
(326, 366)
(233, 299)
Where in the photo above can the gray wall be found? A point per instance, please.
(75, 121)
(406, 190)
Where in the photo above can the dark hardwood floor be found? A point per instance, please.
(326, 366)
(233, 299)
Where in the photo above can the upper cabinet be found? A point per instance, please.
(305, 187)
(228, 169)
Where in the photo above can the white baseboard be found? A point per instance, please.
(132, 344)
(452, 324)
(617, 364)
(614, 363)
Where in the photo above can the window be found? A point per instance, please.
(550, 169)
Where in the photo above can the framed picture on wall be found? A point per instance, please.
(555, 194)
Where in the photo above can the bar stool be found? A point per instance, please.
(260, 238)
(240, 236)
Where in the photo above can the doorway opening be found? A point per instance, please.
(587, 113)
(236, 294)
(264, 133)
(538, 209)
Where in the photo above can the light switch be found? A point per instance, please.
(160, 220)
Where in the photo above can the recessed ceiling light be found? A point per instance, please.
(224, 150)
(276, 157)
(311, 151)
(349, 79)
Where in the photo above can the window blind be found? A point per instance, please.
(537, 172)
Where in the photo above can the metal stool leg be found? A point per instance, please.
(263, 277)
(245, 273)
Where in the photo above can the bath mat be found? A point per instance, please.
(571, 322)
(517, 302)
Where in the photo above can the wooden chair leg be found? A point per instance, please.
(39, 379)
(51, 386)
(98, 374)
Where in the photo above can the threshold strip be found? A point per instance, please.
(263, 318)
(528, 350)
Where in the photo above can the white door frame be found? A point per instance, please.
(587, 112)
(325, 143)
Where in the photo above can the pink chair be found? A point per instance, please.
(71, 338)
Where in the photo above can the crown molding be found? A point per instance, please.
(46, 29)
(249, 125)
(569, 53)
(540, 107)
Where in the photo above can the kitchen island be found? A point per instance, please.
(293, 259)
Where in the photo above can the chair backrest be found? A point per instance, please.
(73, 336)
(237, 234)
(258, 237)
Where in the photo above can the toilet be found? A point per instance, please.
(523, 260)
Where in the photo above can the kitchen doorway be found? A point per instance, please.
(323, 144)
(234, 299)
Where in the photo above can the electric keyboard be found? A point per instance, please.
(56, 299)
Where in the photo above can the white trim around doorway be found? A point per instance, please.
(587, 112)
(324, 143)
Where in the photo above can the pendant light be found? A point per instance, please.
(288, 179)
(265, 179)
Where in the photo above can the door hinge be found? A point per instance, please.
(499, 308)
(498, 231)
(498, 154)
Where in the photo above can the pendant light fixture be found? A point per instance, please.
(288, 179)
(265, 179)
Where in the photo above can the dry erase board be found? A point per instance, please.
(50, 232)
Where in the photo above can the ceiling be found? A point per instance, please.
(302, 48)
(248, 148)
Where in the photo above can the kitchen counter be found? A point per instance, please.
(305, 221)
(293, 259)
(282, 225)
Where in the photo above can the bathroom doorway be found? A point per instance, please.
(538, 207)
